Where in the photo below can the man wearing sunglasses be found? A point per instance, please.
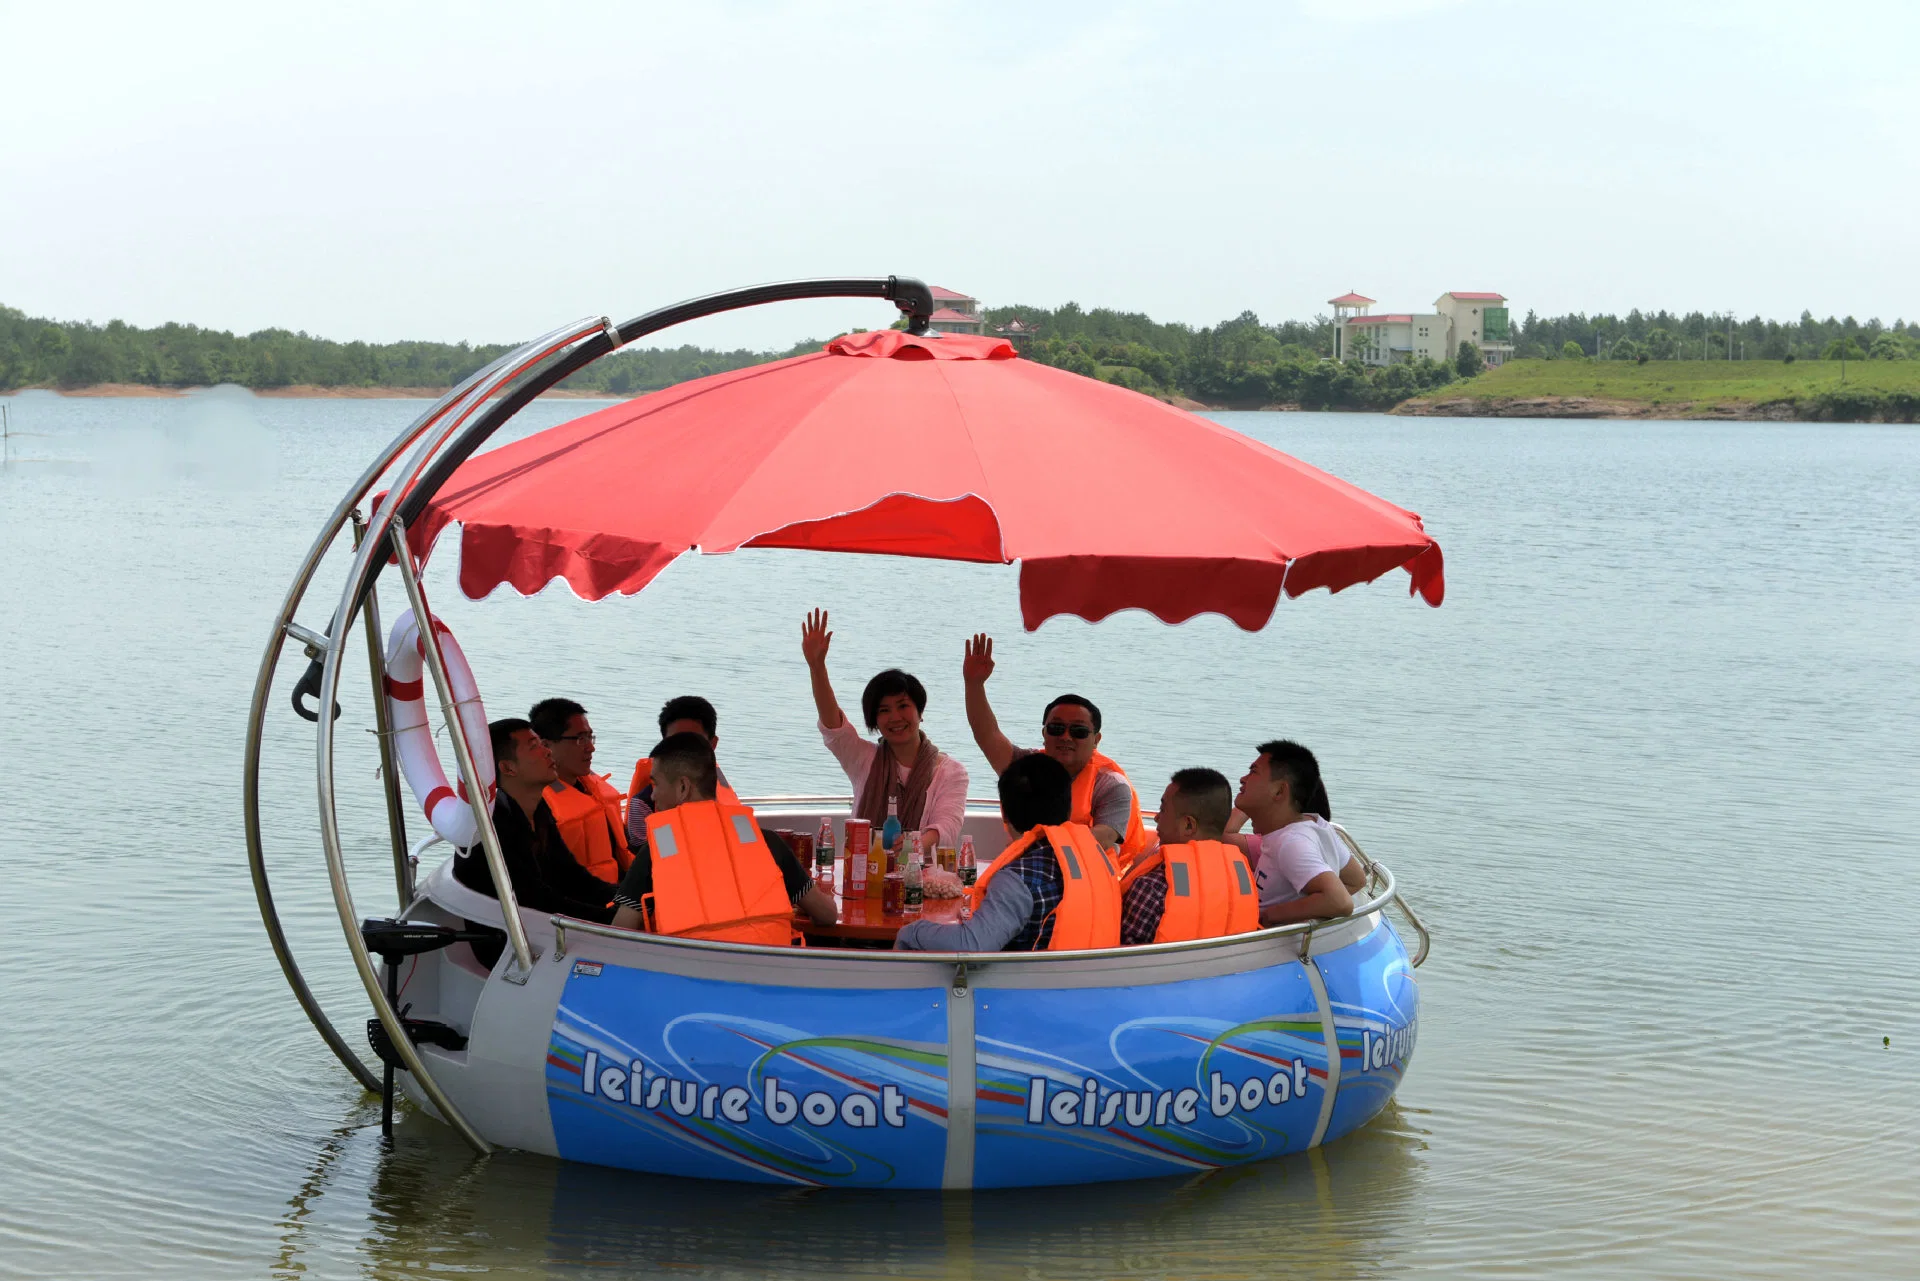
(588, 809)
(1103, 799)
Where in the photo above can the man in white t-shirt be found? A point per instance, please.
(1299, 871)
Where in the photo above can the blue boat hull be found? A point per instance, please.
(1009, 1076)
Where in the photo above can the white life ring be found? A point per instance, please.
(448, 809)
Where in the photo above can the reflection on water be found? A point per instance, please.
(1647, 776)
(435, 1207)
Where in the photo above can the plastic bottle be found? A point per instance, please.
(890, 831)
(823, 856)
(914, 895)
(967, 870)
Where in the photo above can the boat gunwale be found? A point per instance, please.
(1305, 930)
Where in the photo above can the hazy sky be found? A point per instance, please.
(486, 171)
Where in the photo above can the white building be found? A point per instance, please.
(1481, 319)
(1397, 337)
(956, 313)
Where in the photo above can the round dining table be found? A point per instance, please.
(862, 922)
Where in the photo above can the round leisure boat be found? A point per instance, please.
(824, 1065)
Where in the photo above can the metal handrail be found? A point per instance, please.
(1426, 939)
(1382, 896)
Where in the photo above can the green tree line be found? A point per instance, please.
(1663, 335)
(36, 352)
(1243, 361)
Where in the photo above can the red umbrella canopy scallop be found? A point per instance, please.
(946, 446)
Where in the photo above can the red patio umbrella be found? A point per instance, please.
(945, 446)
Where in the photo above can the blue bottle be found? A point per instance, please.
(890, 830)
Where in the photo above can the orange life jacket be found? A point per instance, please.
(594, 825)
(1209, 891)
(1089, 910)
(643, 775)
(1134, 839)
(715, 878)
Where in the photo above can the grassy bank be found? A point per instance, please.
(1811, 389)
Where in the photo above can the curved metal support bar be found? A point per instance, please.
(535, 356)
(383, 732)
(975, 960)
(463, 757)
(283, 626)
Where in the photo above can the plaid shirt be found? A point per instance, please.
(1039, 869)
(1141, 909)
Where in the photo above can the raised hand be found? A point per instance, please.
(978, 663)
(815, 638)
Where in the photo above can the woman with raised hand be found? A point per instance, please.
(929, 786)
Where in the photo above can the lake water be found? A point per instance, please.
(1649, 775)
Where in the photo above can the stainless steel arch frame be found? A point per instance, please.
(441, 438)
(459, 404)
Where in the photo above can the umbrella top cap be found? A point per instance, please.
(896, 344)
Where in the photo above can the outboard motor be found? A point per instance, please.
(391, 940)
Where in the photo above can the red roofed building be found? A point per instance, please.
(1399, 337)
(955, 313)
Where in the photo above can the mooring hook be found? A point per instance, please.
(309, 687)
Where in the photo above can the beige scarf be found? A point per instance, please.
(883, 782)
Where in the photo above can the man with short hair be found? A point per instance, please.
(1302, 861)
(707, 869)
(1212, 891)
(1102, 798)
(685, 714)
(586, 808)
(544, 875)
(1054, 888)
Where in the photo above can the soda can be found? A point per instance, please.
(859, 845)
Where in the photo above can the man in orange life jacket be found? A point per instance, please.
(586, 808)
(1102, 798)
(1212, 891)
(1052, 889)
(543, 873)
(708, 869)
(687, 714)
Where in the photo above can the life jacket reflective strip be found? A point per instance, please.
(593, 825)
(1209, 891)
(643, 775)
(1089, 910)
(715, 878)
(1134, 839)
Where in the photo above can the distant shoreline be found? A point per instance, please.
(1597, 407)
(1459, 401)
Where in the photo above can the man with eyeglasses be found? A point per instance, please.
(1103, 799)
(538, 866)
(587, 808)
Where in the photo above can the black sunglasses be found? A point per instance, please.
(1056, 728)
